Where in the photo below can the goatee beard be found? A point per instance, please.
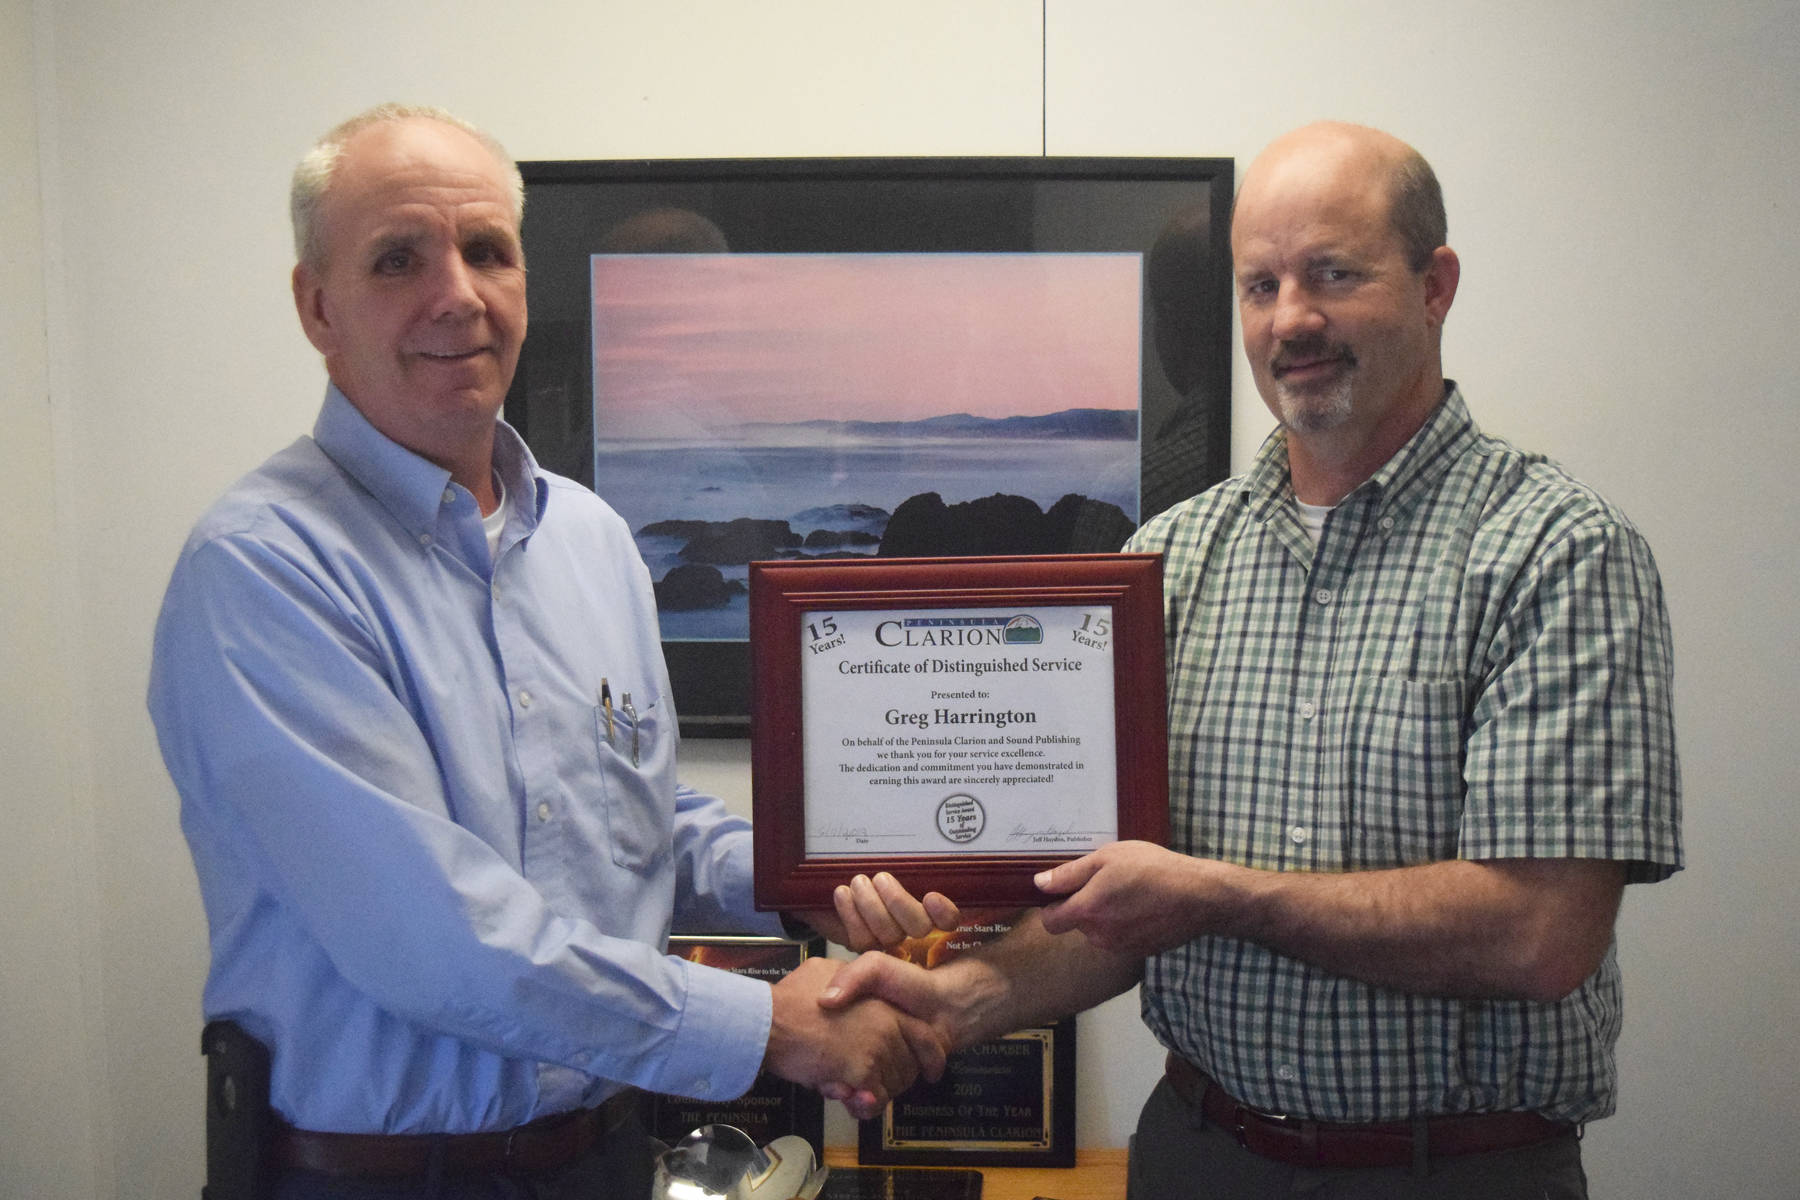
(1315, 411)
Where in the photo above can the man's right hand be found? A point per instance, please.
(863, 1052)
(1028, 977)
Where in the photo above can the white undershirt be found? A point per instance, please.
(495, 521)
(1312, 518)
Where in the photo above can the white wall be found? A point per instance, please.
(48, 1031)
(1622, 181)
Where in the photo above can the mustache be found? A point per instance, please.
(1307, 352)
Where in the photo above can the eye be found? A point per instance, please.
(487, 253)
(1256, 289)
(394, 261)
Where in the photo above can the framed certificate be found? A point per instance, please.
(1005, 1103)
(962, 723)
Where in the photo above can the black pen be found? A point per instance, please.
(606, 707)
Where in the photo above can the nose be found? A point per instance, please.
(457, 297)
(1295, 313)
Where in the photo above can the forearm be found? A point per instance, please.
(1518, 929)
(715, 870)
(1031, 977)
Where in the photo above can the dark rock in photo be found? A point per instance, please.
(692, 586)
(924, 526)
(733, 543)
(834, 539)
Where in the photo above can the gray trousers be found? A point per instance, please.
(1176, 1155)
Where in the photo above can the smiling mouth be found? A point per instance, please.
(452, 355)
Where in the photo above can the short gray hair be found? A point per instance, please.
(312, 177)
(1418, 209)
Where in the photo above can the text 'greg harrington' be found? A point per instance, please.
(998, 718)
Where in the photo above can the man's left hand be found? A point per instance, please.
(878, 914)
(1131, 898)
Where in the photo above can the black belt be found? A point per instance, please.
(546, 1144)
(1305, 1143)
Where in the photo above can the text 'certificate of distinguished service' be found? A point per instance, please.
(959, 730)
(960, 722)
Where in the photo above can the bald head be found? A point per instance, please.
(1364, 159)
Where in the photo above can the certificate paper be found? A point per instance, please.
(959, 730)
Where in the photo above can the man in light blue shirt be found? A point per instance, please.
(410, 689)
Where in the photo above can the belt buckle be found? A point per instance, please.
(1241, 1113)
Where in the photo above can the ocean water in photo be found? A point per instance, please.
(811, 486)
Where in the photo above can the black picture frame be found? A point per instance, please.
(1005, 1103)
(1173, 211)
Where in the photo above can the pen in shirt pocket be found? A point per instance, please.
(606, 708)
(630, 715)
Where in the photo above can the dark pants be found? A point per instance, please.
(1176, 1155)
(618, 1167)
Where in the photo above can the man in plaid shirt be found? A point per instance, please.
(1420, 738)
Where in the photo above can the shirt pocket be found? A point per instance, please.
(1404, 763)
(637, 786)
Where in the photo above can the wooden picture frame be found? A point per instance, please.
(884, 693)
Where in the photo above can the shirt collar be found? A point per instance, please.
(1413, 469)
(412, 487)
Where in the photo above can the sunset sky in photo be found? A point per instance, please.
(688, 345)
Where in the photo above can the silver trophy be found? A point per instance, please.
(721, 1162)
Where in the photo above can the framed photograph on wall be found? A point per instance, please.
(768, 359)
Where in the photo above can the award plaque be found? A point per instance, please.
(1008, 1102)
(772, 1107)
(962, 723)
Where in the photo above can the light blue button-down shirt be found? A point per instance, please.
(438, 885)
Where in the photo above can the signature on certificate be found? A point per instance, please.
(1053, 835)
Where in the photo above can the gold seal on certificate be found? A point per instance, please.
(962, 723)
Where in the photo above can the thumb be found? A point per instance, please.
(884, 977)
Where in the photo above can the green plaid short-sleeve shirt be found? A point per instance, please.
(1474, 663)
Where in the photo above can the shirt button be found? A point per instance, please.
(702, 1087)
(449, 495)
(543, 810)
(1386, 524)
(524, 699)
(1323, 595)
(1286, 1073)
(424, 539)
(1299, 835)
(1308, 711)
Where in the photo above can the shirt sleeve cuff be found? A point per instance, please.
(724, 1032)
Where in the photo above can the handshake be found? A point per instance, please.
(861, 1049)
(861, 1032)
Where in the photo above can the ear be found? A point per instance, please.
(1441, 278)
(309, 302)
